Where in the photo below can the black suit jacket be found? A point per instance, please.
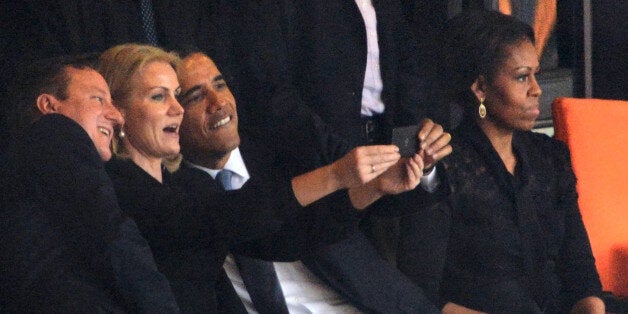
(352, 266)
(191, 224)
(65, 245)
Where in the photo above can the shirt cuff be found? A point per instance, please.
(430, 181)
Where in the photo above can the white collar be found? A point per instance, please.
(235, 164)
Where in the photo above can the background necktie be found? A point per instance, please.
(148, 21)
(259, 276)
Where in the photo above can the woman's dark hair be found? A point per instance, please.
(475, 43)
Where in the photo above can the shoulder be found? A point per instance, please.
(60, 136)
(544, 145)
(128, 178)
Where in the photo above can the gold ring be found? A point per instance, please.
(372, 169)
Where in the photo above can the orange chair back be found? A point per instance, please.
(596, 132)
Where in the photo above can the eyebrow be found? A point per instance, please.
(190, 91)
(98, 90)
(198, 87)
(218, 78)
(529, 68)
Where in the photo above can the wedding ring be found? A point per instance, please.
(372, 169)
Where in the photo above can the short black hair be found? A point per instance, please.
(188, 50)
(43, 76)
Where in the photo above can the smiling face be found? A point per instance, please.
(153, 114)
(512, 96)
(88, 103)
(209, 131)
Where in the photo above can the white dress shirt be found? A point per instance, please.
(371, 93)
(303, 291)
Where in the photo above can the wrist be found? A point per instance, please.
(336, 181)
(428, 171)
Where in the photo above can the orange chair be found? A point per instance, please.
(596, 132)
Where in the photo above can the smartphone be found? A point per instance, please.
(407, 139)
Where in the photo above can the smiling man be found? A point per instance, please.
(65, 245)
(212, 140)
(207, 139)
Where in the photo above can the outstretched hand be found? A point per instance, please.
(364, 163)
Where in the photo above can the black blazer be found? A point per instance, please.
(504, 243)
(65, 245)
(191, 224)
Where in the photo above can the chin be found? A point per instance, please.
(526, 127)
(105, 155)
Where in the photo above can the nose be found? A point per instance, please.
(215, 102)
(113, 114)
(175, 108)
(535, 89)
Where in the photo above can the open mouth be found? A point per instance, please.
(104, 131)
(222, 122)
(171, 128)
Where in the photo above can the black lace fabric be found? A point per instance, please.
(514, 243)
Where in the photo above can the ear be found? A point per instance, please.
(479, 88)
(47, 104)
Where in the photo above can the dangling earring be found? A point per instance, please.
(482, 109)
(122, 134)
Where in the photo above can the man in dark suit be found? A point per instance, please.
(351, 70)
(210, 143)
(65, 245)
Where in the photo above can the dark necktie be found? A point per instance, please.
(259, 276)
(148, 21)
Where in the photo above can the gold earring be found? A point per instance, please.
(122, 134)
(482, 109)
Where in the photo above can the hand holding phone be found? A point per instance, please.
(407, 139)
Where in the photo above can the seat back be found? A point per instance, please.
(596, 132)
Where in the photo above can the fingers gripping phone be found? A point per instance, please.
(407, 139)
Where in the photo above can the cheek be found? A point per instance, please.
(506, 98)
(140, 120)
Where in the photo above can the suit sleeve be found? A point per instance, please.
(191, 211)
(321, 223)
(80, 202)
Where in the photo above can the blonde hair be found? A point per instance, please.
(119, 64)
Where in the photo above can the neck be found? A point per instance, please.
(149, 164)
(501, 140)
(213, 160)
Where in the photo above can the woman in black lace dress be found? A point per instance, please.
(510, 238)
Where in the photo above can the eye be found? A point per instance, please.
(220, 85)
(193, 98)
(522, 78)
(158, 97)
(99, 99)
